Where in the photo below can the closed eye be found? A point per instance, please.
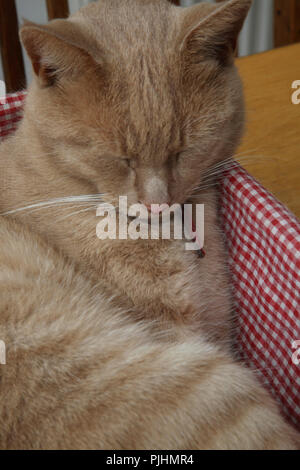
(126, 162)
(175, 157)
(131, 162)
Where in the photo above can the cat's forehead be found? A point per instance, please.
(149, 96)
(120, 26)
(137, 38)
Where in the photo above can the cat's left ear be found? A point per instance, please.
(214, 34)
(57, 50)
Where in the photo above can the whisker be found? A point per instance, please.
(227, 165)
(57, 202)
(230, 160)
(204, 187)
(210, 177)
(79, 212)
(92, 207)
(219, 172)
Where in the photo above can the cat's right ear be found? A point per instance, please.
(211, 30)
(56, 50)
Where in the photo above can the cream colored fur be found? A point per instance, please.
(124, 344)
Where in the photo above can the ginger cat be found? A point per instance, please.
(124, 344)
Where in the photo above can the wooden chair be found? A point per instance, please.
(287, 31)
(11, 51)
(287, 22)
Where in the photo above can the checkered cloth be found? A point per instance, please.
(11, 111)
(264, 244)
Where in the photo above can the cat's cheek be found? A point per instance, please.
(178, 176)
(126, 185)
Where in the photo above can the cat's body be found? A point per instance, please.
(84, 374)
(127, 344)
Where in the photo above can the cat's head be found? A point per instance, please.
(139, 97)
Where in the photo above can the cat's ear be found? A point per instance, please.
(214, 34)
(57, 49)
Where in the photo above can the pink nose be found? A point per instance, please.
(157, 208)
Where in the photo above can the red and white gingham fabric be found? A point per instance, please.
(264, 245)
(11, 111)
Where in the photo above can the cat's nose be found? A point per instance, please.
(157, 208)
